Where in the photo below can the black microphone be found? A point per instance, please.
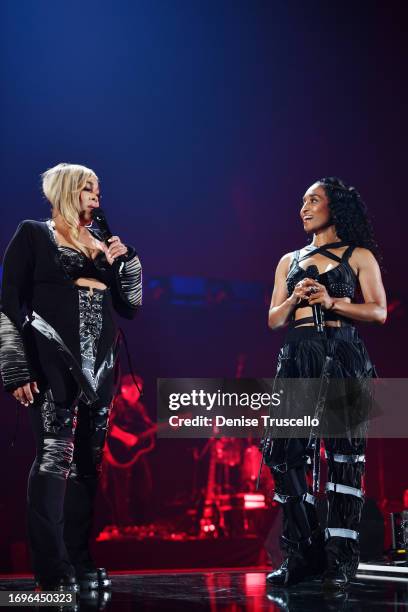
(99, 216)
(318, 318)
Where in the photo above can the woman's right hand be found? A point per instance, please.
(24, 394)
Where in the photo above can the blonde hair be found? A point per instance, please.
(62, 186)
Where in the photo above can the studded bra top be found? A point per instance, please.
(340, 281)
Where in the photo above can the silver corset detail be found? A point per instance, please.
(90, 327)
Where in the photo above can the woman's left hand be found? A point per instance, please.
(115, 250)
(319, 295)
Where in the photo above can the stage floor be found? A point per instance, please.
(243, 589)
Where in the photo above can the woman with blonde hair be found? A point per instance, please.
(60, 362)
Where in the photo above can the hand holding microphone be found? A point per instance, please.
(318, 319)
(317, 293)
(116, 250)
(318, 298)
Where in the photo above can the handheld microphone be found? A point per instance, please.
(99, 216)
(318, 318)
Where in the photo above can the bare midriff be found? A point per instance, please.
(90, 283)
(301, 313)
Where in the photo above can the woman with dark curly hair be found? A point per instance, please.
(342, 255)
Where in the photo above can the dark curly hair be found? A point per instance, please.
(349, 215)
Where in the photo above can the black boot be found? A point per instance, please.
(79, 504)
(302, 537)
(91, 577)
(57, 583)
(305, 559)
(345, 503)
(342, 562)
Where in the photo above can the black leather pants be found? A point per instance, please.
(70, 436)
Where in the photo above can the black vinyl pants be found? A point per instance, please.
(70, 437)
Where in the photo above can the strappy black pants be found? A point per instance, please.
(303, 356)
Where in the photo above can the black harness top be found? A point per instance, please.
(340, 281)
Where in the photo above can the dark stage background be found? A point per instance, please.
(206, 121)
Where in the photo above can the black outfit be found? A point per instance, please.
(68, 344)
(303, 356)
